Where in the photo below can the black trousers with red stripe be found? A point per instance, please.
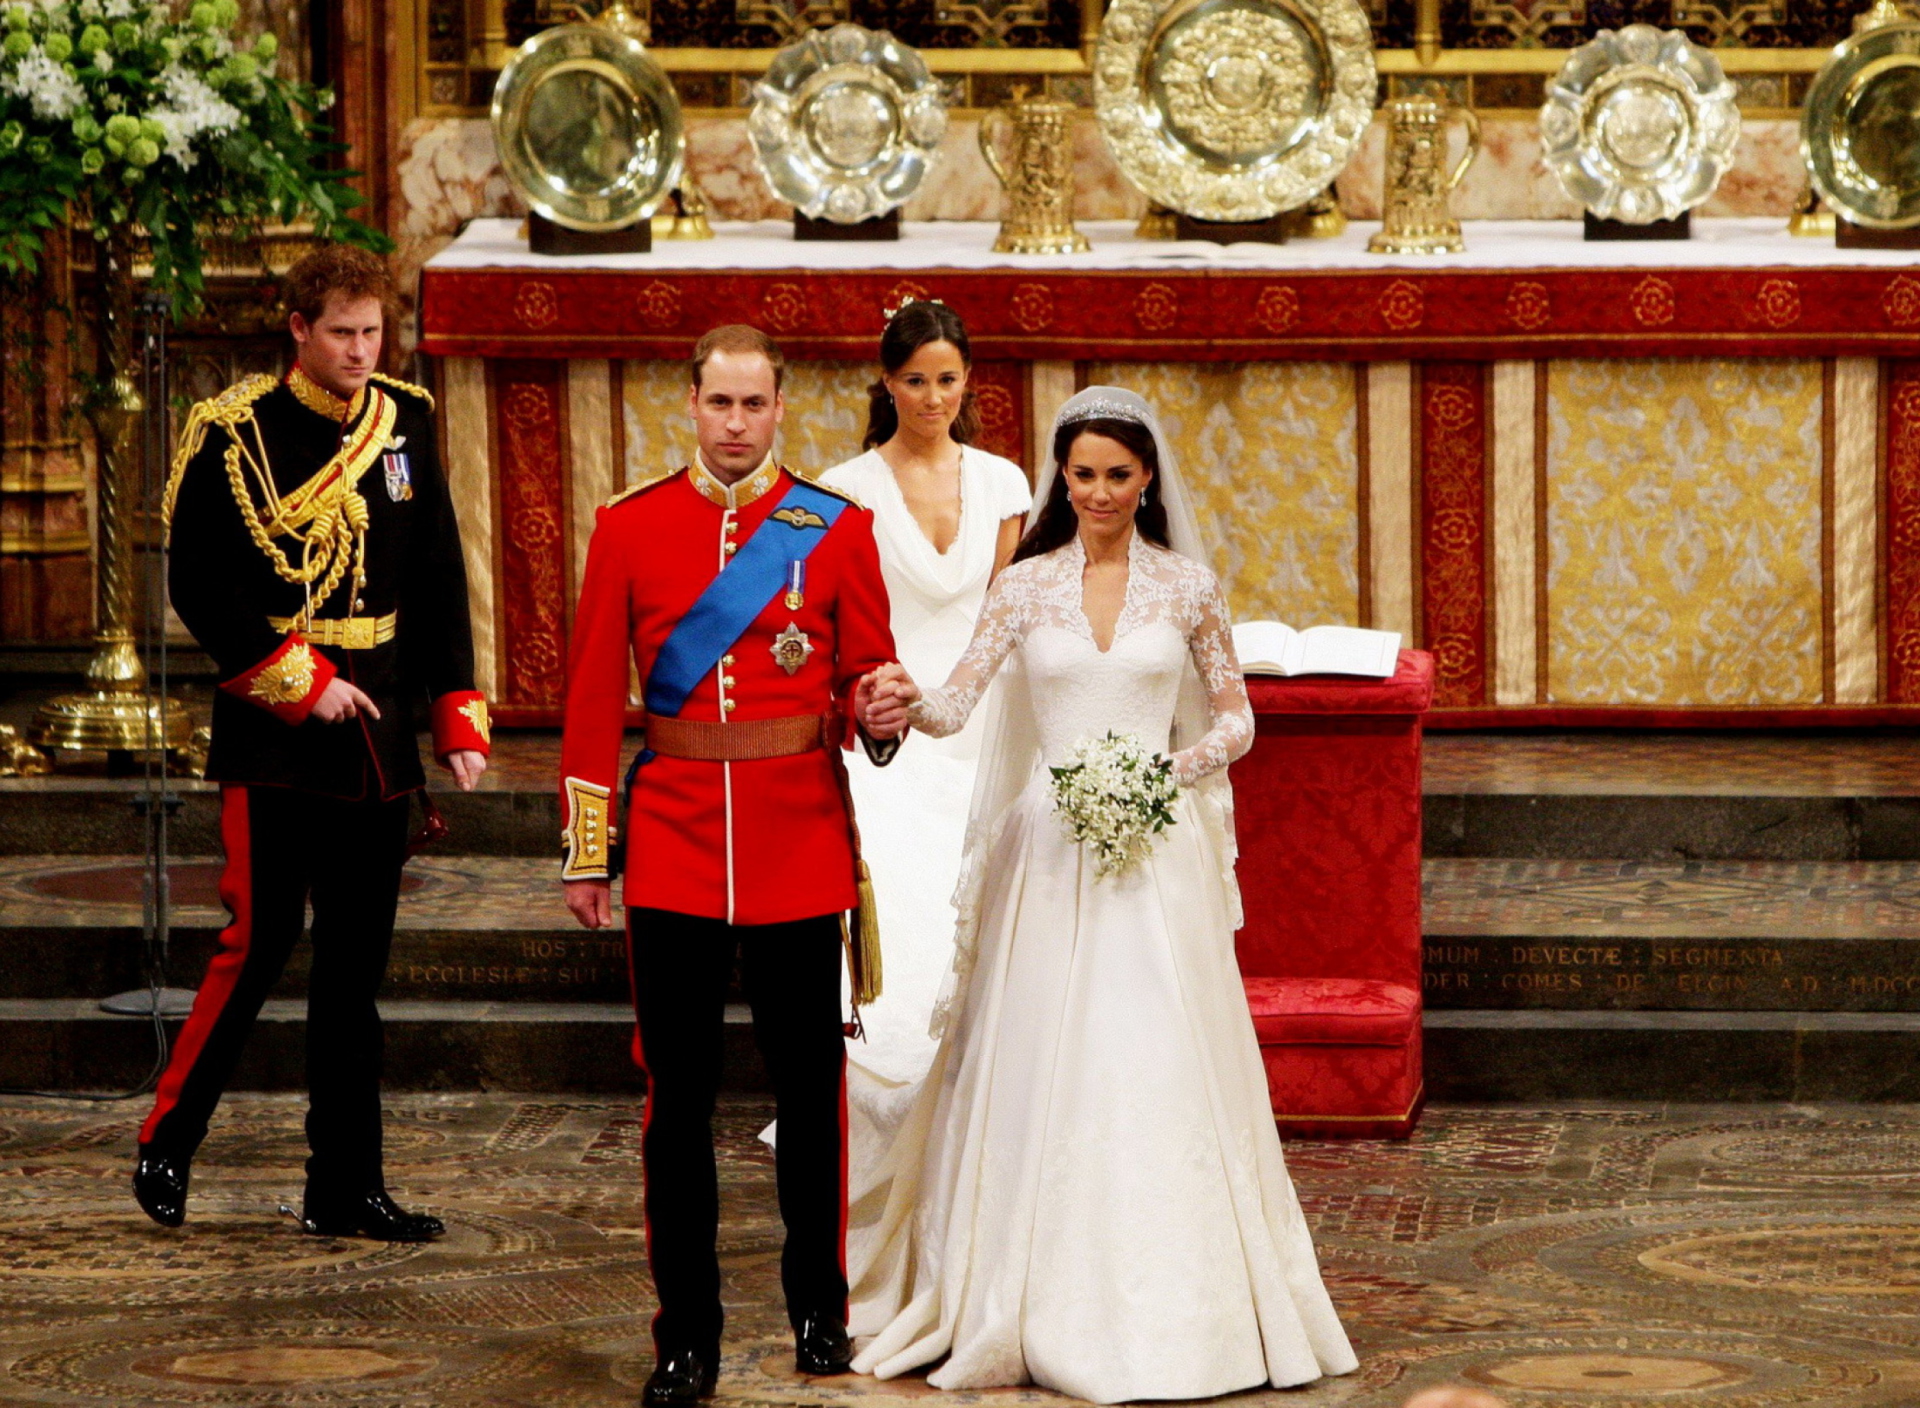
(282, 849)
(791, 973)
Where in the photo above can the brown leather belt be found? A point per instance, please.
(746, 741)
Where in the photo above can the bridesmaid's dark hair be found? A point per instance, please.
(1057, 524)
(916, 324)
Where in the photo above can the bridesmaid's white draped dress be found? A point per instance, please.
(1088, 1192)
(913, 813)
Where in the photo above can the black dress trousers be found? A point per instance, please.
(282, 849)
(681, 967)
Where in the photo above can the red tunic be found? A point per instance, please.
(757, 842)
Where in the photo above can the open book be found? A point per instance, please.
(1269, 648)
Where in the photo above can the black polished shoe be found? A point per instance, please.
(822, 1346)
(681, 1377)
(371, 1214)
(160, 1185)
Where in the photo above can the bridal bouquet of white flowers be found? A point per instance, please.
(1115, 795)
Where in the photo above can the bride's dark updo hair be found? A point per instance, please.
(914, 326)
(1057, 523)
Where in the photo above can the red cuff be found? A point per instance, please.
(460, 720)
(287, 683)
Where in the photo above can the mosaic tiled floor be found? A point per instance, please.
(1679, 763)
(1724, 1256)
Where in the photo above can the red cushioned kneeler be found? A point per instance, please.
(1328, 807)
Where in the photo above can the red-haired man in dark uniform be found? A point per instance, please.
(315, 557)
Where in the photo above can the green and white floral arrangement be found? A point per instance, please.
(1115, 795)
(147, 117)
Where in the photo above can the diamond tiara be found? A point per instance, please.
(1101, 408)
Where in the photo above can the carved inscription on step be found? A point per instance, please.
(1626, 973)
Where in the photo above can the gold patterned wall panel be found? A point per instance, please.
(1683, 532)
(1271, 453)
(826, 415)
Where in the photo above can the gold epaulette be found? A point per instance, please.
(825, 488)
(660, 478)
(399, 385)
(231, 408)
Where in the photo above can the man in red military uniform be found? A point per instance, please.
(752, 603)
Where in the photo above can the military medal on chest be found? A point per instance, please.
(791, 648)
(399, 471)
(796, 596)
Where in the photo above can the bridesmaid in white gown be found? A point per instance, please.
(1089, 1192)
(947, 516)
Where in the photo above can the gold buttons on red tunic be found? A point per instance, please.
(727, 705)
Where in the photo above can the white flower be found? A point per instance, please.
(53, 93)
(88, 9)
(190, 109)
(119, 9)
(1114, 797)
(103, 61)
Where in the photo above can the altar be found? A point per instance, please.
(1638, 483)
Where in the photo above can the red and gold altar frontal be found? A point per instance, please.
(1650, 483)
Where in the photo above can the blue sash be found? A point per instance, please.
(757, 573)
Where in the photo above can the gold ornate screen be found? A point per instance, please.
(1492, 55)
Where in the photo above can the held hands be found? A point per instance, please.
(880, 701)
(341, 701)
(591, 902)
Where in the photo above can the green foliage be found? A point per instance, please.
(124, 114)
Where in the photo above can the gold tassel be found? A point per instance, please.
(864, 955)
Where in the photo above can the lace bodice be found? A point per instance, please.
(1173, 609)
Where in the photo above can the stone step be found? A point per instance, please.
(1687, 936)
(1500, 934)
(1684, 1056)
(1521, 796)
(60, 1044)
(67, 1045)
(469, 928)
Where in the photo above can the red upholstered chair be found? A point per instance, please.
(1328, 809)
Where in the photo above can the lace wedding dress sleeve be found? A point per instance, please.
(1230, 733)
(944, 710)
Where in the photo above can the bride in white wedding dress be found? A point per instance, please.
(1088, 1192)
(947, 516)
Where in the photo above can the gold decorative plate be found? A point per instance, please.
(1640, 124)
(588, 127)
(1860, 136)
(846, 123)
(1233, 109)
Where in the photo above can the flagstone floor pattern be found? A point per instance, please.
(1698, 1257)
(1705, 898)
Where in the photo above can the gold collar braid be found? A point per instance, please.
(326, 515)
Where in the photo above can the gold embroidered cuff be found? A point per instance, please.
(589, 831)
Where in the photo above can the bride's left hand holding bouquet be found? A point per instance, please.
(148, 119)
(1115, 795)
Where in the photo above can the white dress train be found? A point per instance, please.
(1088, 1192)
(913, 813)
